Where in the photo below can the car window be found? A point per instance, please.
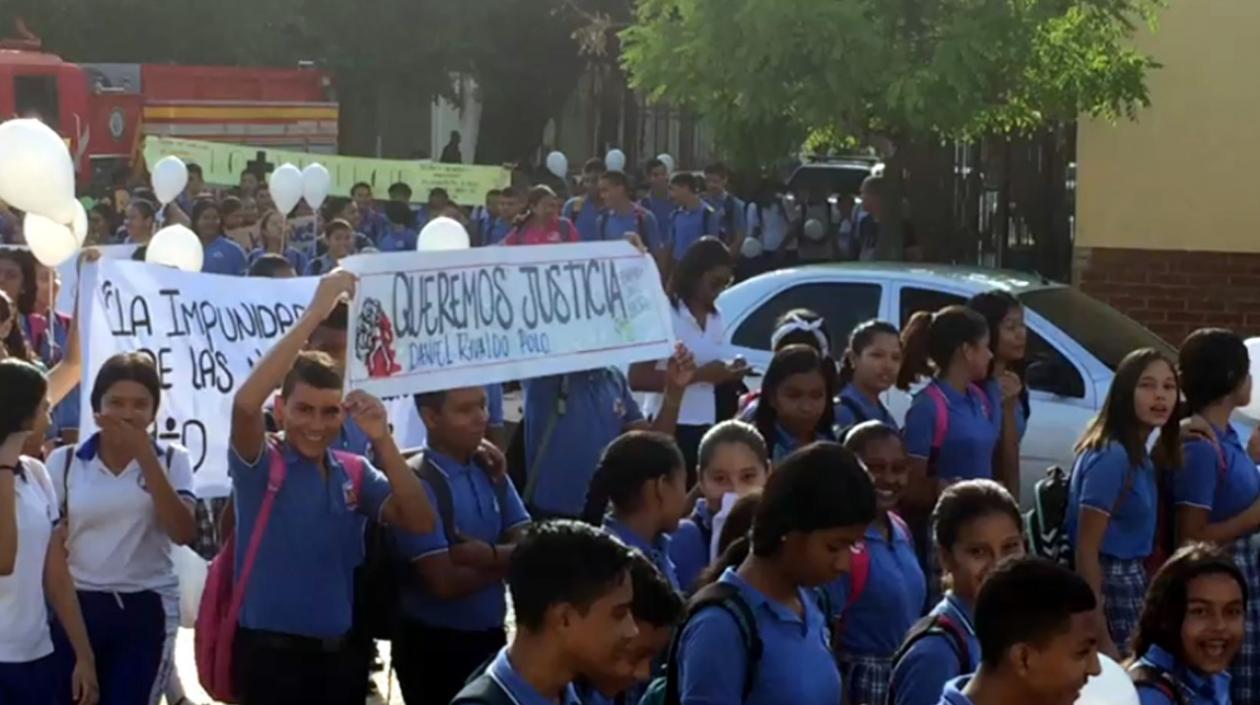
(842, 305)
(915, 300)
(1105, 332)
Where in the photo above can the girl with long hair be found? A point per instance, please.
(541, 223)
(1008, 338)
(222, 254)
(800, 326)
(796, 406)
(273, 239)
(869, 368)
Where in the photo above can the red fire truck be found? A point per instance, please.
(105, 110)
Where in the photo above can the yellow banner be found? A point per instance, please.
(222, 164)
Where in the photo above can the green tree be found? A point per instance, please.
(888, 71)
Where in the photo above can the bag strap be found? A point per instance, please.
(601, 226)
(984, 399)
(1144, 675)
(859, 577)
(65, 482)
(429, 473)
(726, 597)
(859, 415)
(354, 467)
(560, 409)
(483, 690)
(276, 471)
(940, 426)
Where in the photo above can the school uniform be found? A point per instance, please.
(698, 411)
(51, 349)
(569, 420)
(319, 266)
(932, 662)
(294, 644)
(953, 694)
(796, 664)
(994, 390)
(1193, 687)
(731, 215)
(1106, 481)
(586, 218)
(27, 667)
(656, 550)
(661, 208)
(224, 256)
(689, 546)
(398, 240)
(1224, 481)
(494, 231)
(873, 627)
(614, 226)
(120, 560)
(439, 643)
(505, 675)
(783, 444)
(295, 257)
(373, 223)
(853, 407)
(686, 226)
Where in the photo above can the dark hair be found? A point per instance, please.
(333, 207)
(438, 192)
(731, 431)
(794, 360)
(821, 486)
(24, 390)
(788, 331)
(400, 214)
(359, 185)
(685, 180)
(656, 602)
(654, 163)
(25, 261)
(629, 462)
(253, 172)
(1117, 420)
(433, 401)
(935, 337)
(510, 192)
(966, 501)
(717, 169)
(734, 541)
(707, 254)
(532, 199)
(135, 367)
(593, 165)
(859, 340)
(1213, 363)
(15, 343)
(995, 305)
(563, 562)
(147, 210)
(1027, 601)
(194, 168)
(866, 433)
(338, 224)
(200, 206)
(618, 179)
(494, 192)
(314, 369)
(108, 214)
(400, 188)
(270, 266)
(338, 318)
(230, 205)
(1164, 610)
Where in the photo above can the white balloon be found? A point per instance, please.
(51, 242)
(286, 187)
(1111, 687)
(36, 172)
(1252, 410)
(170, 178)
(615, 160)
(667, 160)
(79, 224)
(442, 233)
(316, 182)
(752, 248)
(558, 164)
(814, 230)
(176, 246)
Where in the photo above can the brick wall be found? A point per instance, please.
(1174, 292)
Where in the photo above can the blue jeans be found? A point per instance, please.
(127, 632)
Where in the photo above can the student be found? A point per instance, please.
(1113, 495)
(795, 407)
(1008, 338)
(975, 526)
(372, 222)
(657, 199)
(33, 571)
(583, 211)
(641, 482)
(622, 216)
(141, 222)
(800, 326)
(273, 234)
(401, 234)
(870, 368)
(485, 214)
(572, 597)
(1038, 632)
(339, 241)
(694, 286)
(769, 222)
(126, 501)
(271, 266)
(691, 220)
(540, 223)
(499, 223)
(1217, 489)
(453, 607)
(232, 211)
(729, 209)
(348, 210)
(814, 510)
(878, 607)
(732, 461)
(222, 254)
(866, 225)
(293, 644)
(1191, 628)
(249, 182)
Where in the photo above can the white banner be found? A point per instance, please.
(204, 330)
(423, 321)
(68, 273)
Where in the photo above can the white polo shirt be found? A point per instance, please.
(23, 615)
(116, 544)
(699, 406)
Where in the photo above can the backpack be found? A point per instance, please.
(941, 625)
(860, 574)
(940, 430)
(218, 616)
(705, 220)
(483, 690)
(640, 225)
(1045, 524)
(427, 471)
(664, 690)
(1165, 516)
(726, 229)
(1147, 676)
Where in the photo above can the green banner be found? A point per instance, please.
(222, 164)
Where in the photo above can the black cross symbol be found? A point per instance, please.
(260, 165)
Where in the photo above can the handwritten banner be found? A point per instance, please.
(222, 164)
(424, 321)
(205, 333)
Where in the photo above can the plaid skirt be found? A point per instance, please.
(865, 678)
(1124, 590)
(1245, 672)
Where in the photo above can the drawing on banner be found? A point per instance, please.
(374, 340)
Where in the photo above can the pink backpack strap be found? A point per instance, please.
(940, 427)
(984, 399)
(354, 466)
(276, 472)
(859, 576)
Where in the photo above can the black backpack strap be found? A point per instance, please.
(720, 596)
(483, 690)
(859, 415)
(939, 626)
(65, 480)
(601, 226)
(429, 473)
(1149, 677)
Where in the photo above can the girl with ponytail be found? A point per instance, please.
(869, 368)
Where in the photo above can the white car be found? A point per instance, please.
(1074, 342)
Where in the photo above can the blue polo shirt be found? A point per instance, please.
(731, 214)
(1198, 688)
(784, 444)
(295, 257)
(661, 208)
(397, 240)
(353, 439)
(303, 579)
(587, 220)
(953, 694)
(994, 389)
(1098, 482)
(1203, 483)
(796, 662)
(494, 232)
(224, 256)
(319, 266)
(850, 397)
(597, 407)
(967, 453)
(657, 550)
(66, 415)
(689, 546)
(479, 516)
(616, 225)
(521, 692)
(688, 226)
(921, 675)
(891, 602)
(374, 224)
